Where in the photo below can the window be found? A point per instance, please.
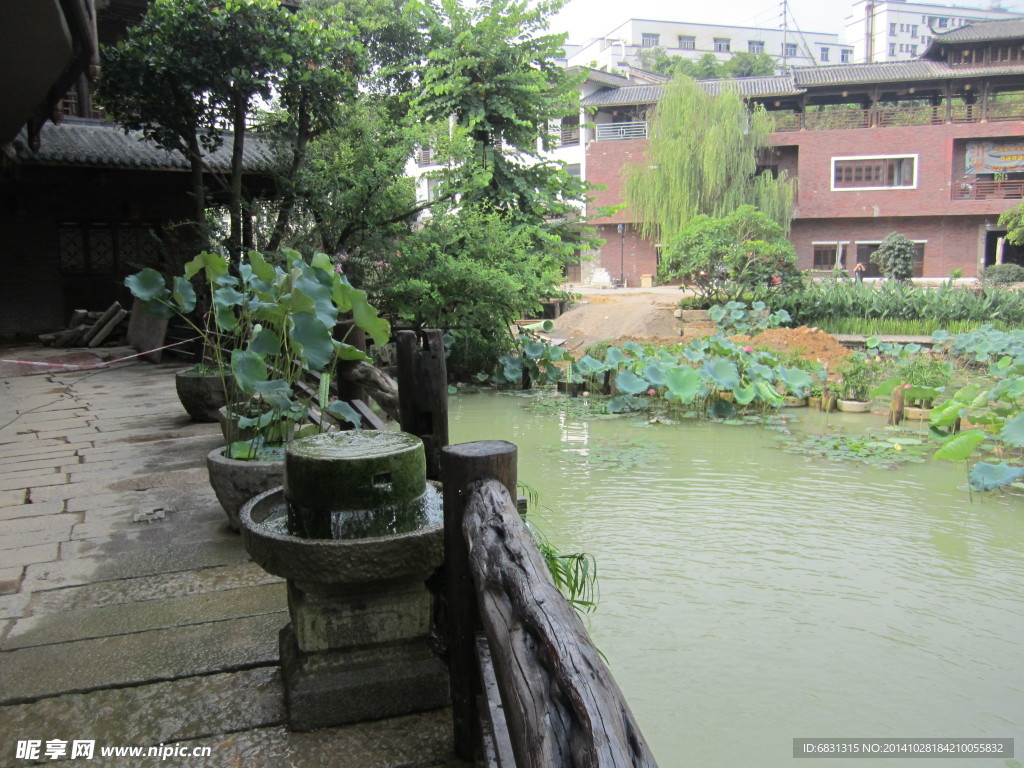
(829, 255)
(846, 55)
(943, 21)
(722, 44)
(913, 50)
(687, 42)
(824, 54)
(789, 49)
(865, 250)
(874, 172)
(892, 30)
(892, 49)
(649, 40)
(755, 46)
(574, 170)
(913, 30)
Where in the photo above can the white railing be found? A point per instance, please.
(621, 131)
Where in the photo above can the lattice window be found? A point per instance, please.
(101, 248)
(71, 240)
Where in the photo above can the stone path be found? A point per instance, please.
(129, 613)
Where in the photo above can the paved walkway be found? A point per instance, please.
(129, 613)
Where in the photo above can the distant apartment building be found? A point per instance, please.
(624, 45)
(932, 148)
(892, 30)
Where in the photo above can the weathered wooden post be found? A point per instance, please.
(423, 393)
(348, 389)
(463, 466)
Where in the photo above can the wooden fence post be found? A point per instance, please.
(463, 465)
(423, 393)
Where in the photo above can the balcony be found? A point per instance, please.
(988, 190)
(425, 156)
(621, 131)
(569, 136)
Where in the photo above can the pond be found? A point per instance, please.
(749, 596)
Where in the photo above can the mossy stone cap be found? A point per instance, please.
(360, 469)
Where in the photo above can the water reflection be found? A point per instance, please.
(749, 596)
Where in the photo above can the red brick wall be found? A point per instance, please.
(628, 254)
(606, 161)
(953, 242)
(936, 169)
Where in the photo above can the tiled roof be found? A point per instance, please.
(749, 87)
(621, 97)
(897, 71)
(102, 143)
(983, 31)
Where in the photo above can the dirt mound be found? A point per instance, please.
(809, 343)
(616, 316)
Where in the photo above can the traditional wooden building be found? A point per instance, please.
(84, 203)
(932, 148)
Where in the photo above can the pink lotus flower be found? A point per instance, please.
(748, 349)
(776, 279)
(651, 391)
(703, 273)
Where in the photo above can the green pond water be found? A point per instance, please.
(749, 596)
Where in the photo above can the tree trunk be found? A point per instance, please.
(284, 213)
(235, 202)
(195, 159)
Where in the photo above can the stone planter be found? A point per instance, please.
(235, 481)
(202, 395)
(814, 403)
(853, 406)
(358, 646)
(794, 402)
(913, 413)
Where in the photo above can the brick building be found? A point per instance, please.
(932, 148)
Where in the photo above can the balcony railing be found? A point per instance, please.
(621, 131)
(828, 119)
(424, 156)
(985, 190)
(889, 117)
(569, 136)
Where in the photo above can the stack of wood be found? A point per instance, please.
(87, 329)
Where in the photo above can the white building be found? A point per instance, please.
(624, 44)
(892, 30)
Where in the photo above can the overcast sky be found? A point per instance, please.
(586, 19)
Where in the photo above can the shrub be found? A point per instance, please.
(895, 257)
(1001, 274)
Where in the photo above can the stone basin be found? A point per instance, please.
(360, 644)
(336, 561)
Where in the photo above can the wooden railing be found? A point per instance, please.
(981, 190)
(888, 117)
(529, 688)
(569, 136)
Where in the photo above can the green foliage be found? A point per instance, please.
(895, 257)
(1013, 222)
(472, 274)
(276, 323)
(702, 159)
(722, 258)
(707, 67)
(1001, 274)
(820, 303)
(735, 317)
(860, 374)
(876, 448)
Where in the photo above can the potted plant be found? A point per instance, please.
(279, 321)
(858, 376)
(923, 379)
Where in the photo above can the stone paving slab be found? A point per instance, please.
(160, 586)
(86, 623)
(413, 741)
(11, 579)
(57, 523)
(29, 555)
(28, 674)
(12, 498)
(191, 708)
(22, 510)
(137, 563)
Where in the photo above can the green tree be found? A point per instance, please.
(192, 66)
(491, 68)
(702, 159)
(1013, 222)
(723, 258)
(707, 67)
(895, 257)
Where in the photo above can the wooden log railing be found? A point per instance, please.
(560, 703)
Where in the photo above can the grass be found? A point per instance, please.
(900, 327)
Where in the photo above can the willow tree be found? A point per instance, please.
(703, 159)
